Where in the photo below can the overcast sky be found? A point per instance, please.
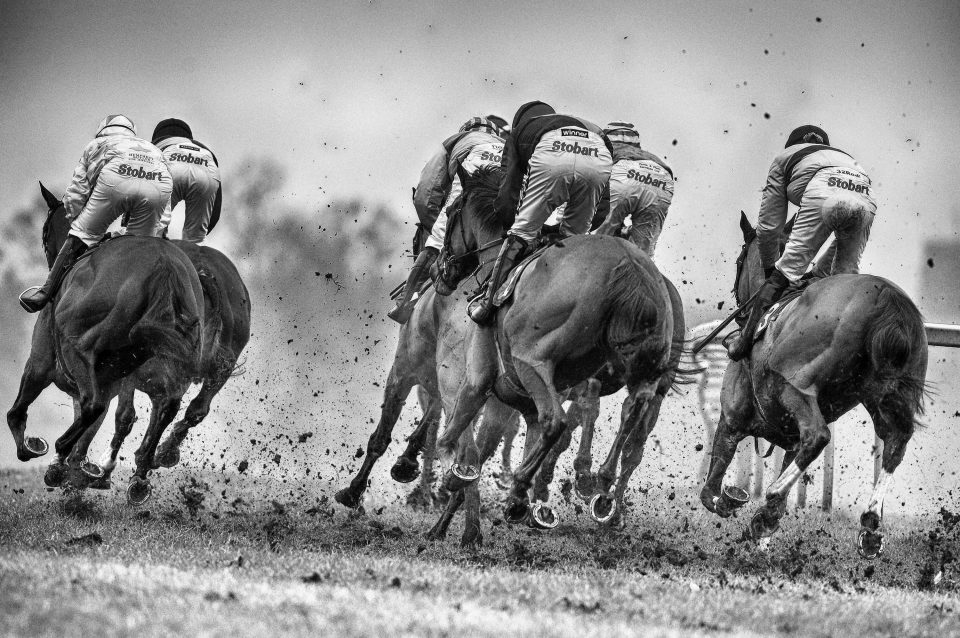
(353, 96)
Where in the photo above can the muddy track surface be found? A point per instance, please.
(239, 555)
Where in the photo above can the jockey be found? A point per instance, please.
(196, 179)
(548, 160)
(118, 174)
(478, 144)
(833, 194)
(641, 186)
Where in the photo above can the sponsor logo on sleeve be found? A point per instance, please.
(573, 132)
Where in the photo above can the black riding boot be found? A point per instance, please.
(418, 274)
(34, 299)
(511, 251)
(771, 290)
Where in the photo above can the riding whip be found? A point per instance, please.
(697, 348)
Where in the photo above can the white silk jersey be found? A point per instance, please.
(125, 153)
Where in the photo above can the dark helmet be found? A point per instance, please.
(499, 121)
(529, 111)
(171, 128)
(481, 123)
(807, 134)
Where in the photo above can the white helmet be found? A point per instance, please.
(118, 121)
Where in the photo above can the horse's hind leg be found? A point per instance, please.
(895, 429)
(589, 401)
(394, 395)
(406, 469)
(168, 453)
(814, 436)
(163, 411)
(505, 477)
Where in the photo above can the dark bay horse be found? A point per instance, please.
(133, 306)
(226, 331)
(587, 302)
(848, 340)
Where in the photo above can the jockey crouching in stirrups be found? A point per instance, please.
(478, 144)
(118, 174)
(834, 195)
(548, 160)
(196, 179)
(641, 187)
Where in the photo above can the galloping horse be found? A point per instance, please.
(226, 331)
(429, 354)
(134, 306)
(847, 340)
(587, 302)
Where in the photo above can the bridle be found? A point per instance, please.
(451, 263)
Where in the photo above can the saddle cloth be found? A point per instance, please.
(774, 313)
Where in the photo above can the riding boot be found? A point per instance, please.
(35, 298)
(511, 251)
(771, 290)
(418, 274)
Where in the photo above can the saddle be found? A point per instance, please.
(505, 292)
(97, 246)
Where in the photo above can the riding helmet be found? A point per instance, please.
(529, 111)
(115, 121)
(624, 132)
(171, 128)
(807, 134)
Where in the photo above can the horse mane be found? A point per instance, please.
(480, 190)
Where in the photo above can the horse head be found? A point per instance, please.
(473, 229)
(56, 227)
(749, 269)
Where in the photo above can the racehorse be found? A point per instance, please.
(847, 340)
(226, 331)
(429, 354)
(133, 306)
(586, 302)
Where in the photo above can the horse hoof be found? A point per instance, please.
(585, 487)
(138, 492)
(92, 470)
(33, 447)
(347, 498)
(730, 500)
(516, 510)
(55, 475)
(405, 470)
(504, 481)
(542, 516)
(471, 539)
(459, 476)
(602, 508)
(869, 544)
(166, 456)
(759, 528)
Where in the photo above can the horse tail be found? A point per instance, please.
(169, 324)
(632, 313)
(897, 345)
